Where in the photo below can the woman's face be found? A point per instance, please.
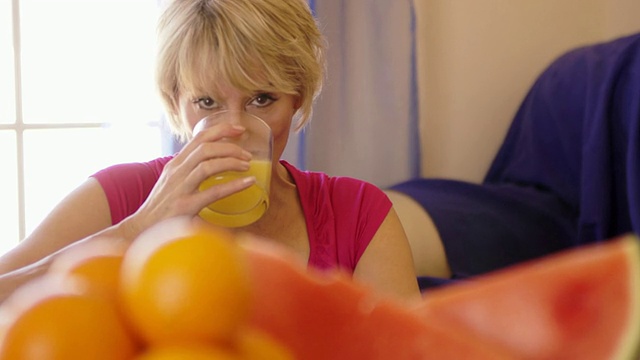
(275, 109)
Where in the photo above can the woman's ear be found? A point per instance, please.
(297, 103)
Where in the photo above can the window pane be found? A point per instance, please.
(98, 61)
(7, 99)
(8, 191)
(57, 161)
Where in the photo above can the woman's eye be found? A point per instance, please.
(206, 103)
(263, 100)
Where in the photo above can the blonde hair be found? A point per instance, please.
(204, 41)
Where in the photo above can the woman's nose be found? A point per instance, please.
(234, 117)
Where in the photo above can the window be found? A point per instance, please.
(76, 95)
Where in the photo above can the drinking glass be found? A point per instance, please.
(246, 206)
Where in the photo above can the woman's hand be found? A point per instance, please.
(176, 193)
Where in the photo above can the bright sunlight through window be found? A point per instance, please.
(76, 95)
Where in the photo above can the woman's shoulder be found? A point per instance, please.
(154, 167)
(343, 214)
(335, 188)
(127, 185)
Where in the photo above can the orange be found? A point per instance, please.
(52, 317)
(255, 344)
(185, 283)
(98, 262)
(190, 352)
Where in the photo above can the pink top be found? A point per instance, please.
(342, 214)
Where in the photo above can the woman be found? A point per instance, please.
(264, 57)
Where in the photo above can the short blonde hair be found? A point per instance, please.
(203, 41)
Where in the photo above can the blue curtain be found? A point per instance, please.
(365, 123)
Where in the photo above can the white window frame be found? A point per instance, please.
(19, 126)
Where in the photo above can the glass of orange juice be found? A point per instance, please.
(246, 206)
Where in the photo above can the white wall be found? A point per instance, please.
(477, 59)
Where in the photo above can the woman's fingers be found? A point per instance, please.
(210, 135)
(215, 150)
(207, 168)
(215, 193)
(200, 155)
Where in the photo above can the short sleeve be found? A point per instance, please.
(127, 186)
(359, 208)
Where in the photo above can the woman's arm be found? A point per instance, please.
(83, 212)
(80, 217)
(387, 263)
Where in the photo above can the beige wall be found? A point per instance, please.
(477, 59)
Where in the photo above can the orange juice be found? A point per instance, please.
(244, 207)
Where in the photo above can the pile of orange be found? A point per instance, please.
(178, 292)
